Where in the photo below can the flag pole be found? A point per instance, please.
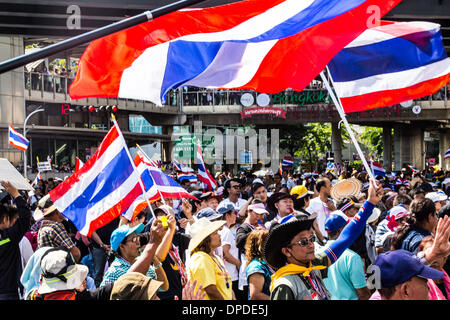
(347, 125)
(132, 162)
(145, 155)
(146, 16)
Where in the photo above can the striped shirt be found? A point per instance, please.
(53, 234)
(118, 268)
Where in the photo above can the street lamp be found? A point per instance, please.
(25, 135)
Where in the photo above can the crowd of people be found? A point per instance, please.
(283, 236)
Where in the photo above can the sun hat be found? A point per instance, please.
(60, 272)
(279, 237)
(346, 188)
(134, 286)
(436, 196)
(209, 214)
(399, 266)
(122, 232)
(201, 229)
(299, 192)
(374, 216)
(45, 207)
(259, 208)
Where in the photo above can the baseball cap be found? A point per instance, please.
(209, 214)
(122, 232)
(336, 220)
(436, 196)
(164, 208)
(299, 192)
(225, 208)
(398, 212)
(399, 266)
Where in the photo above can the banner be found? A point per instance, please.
(44, 166)
(277, 112)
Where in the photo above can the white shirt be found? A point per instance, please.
(320, 208)
(228, 237)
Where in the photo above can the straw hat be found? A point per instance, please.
(346, 188)
(201, 229)
(134, 286)
(45, 207)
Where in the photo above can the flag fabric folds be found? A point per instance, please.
(203, 174)
(236, 45)
(37, 179)
(190, 176)
(447, 154)
(378, 169)
(287, 162)
(17, 140)
(390, 64)
(78, 164)
(102, 189)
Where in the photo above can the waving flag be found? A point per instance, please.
(287, 162)
(17, 140)
(390, 64)
(102, 189)
(37, 179)
(251, 44)
(78, 164)
(447, 154)
(378, 169)
(176, 165)
(414, 169)
(191, 176)
(203, 174)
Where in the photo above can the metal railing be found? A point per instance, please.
(198, 97)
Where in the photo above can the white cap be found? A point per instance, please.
(436, 196)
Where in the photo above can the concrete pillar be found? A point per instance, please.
(336, 142)
(417, 147)
(444, 144)
(12, 97)
(167, 146)
(387, 148)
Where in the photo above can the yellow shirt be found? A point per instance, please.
(208, 271)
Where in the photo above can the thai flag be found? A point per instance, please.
(17, 140)
(191, 176)
(250, 44)
(49, 159)
(37, 179)
(378, 169)
(447, 154)
(102, 189)
(176, 165)
(78, 164)
(413, 168)
(398, 182)
(203, 174)
(287, 162)
(390, 64)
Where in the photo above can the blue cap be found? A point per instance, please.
(399, 266)
(226, 208)
(122, 232)
(334, 222)
(209, 214)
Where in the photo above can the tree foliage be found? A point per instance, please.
(372, 137)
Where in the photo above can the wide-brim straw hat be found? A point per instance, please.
(279, 237)
(201, 229)
(346, 188)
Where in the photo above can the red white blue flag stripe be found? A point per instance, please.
(17, 140)
(203, 174)
(390, 64)
(78, 164)
(102, 189)
(190, 176)
(36, 180)
(447, 154)
(378, 169)
(251, 44)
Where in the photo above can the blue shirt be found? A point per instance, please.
(260, 266)
(345, 276)
(413, 238)
(118, 268)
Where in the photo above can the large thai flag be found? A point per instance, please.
(17, 140)
(378, 169)
(102, 189)
(203, 174)
(390, 64)
(264, 45)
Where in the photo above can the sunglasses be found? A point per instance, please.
(135, 239)
(237, 186)
(304, 241)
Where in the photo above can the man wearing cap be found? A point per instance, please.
(300, 269)
(346, 277)
(52, 232)
(230, 251)
(11, 233)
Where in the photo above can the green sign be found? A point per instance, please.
(302, 98)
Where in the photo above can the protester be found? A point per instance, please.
(346, 277)
(52, 232)
(14, 223)
(322, 205)
(204, 265)
(290, 250)
(258, 271)
(386, 229)
(232, 193)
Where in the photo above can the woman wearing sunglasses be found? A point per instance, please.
(290, 250)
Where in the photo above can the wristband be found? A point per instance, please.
(158, 266)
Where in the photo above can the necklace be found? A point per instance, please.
(223, 271)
